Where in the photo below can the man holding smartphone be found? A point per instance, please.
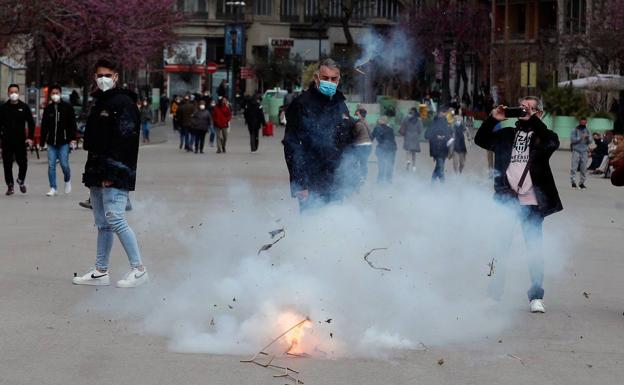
(524, 180)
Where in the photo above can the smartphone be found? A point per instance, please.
(515, 112)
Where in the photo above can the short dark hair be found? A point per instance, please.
(13, 85)
(55, 87)
(105, 63)
(362, 112)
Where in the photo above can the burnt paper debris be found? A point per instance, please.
(269, 245)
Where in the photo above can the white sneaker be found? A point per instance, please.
(134, 278)
(67, 187)
(537, 306)
(93, 278)
(51, 193)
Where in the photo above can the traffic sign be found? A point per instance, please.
(211, 67)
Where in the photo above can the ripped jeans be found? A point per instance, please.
(109, 206)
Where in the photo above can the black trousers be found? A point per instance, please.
(17, 152)
(253, 138)
(199, 139)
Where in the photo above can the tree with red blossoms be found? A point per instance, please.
(127, 31)
(448, 25)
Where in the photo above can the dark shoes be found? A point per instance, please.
(582, 186)
(86, 204)
(573, 185)
(10, 190)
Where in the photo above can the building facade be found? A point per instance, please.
(259, 34)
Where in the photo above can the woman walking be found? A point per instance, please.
(385, 151)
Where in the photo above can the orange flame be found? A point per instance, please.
(294, 338)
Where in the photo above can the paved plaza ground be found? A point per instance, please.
(49, 336)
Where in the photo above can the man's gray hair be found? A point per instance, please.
(328, 62)
(538, 102)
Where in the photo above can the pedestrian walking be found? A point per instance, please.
(440, 138)
(411, 130)
(163, 106)
(221, 116)
(254, 118)
(459, 145)
(110, 174)
(525, 182)
(185, 121)
(385, 150)
(15, 115)
(362, 147)
(146, 120)
(222, 89)
(202, 123)
(58, 134)
(580, 140)
(318, 131)
(175, 104)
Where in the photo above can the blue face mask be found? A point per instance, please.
(327, 88)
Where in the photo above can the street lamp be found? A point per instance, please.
(238, 6)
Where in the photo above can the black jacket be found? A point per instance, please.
(112, 139)
(254, 116)
(386, 141)
(13, 120)
(438, 135)
(58, 124)
(202, 120)
(543, 144)
(318, 130)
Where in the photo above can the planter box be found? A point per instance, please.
(600, 125)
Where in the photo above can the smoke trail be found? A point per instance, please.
(396, 53)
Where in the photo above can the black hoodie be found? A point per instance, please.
(58, 124)
(112, 139)
(13, 120)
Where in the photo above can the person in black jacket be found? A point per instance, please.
(318, 131)
(524, 179)
(202, 123)
(254, 117)
(439, 135)
(14, 116)
(58, 133)
(385, 151)
(112, 140)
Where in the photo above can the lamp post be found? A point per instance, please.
(238, 7)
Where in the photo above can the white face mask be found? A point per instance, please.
(105, 83)
(56, 98)
(202, 107)
(14, 97)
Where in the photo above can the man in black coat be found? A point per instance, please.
(318, 131)
(58, 133)
(254, 117)
(525, 181)
(112, 139)
(14, 116)
(438, 136)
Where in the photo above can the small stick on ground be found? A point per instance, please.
(491, 265)
(517, 358)
(370, 263)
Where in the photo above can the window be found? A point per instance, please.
(263, 7)
(288, 10)
(228, 9)
(575, 16)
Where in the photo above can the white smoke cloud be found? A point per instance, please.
(395, 53)
(222, 297)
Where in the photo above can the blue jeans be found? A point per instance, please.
(62, 154)
(531, 221)
(109, 206)
(385, 163)
(362, 152)
(185, 138)
(213, 133)
(438, 171)
(145, 128)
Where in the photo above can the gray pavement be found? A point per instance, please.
(50, 335)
